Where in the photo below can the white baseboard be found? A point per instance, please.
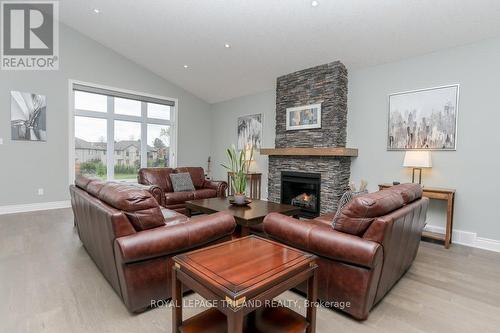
(468, 238)
(488, 244)
(12, 209)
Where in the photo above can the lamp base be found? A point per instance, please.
(419, 175)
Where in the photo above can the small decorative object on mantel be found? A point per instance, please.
(238, 167)
(303, 117)
(424, 119)
(417, 160)
(28, 116)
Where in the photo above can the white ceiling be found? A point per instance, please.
(270, 38)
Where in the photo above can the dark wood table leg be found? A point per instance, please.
(449, 221)
(312, 296)
(176, 302)
(235, 322)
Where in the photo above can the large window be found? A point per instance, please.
(117, 133)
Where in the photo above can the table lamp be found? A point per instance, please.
(417, 160)
(249, 156)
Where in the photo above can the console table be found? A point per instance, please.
(447, 195)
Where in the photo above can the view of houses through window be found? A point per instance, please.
(109, 135)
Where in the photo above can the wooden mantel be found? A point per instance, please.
(340, 151)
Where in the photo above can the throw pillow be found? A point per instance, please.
(182, 182)
(344, 200)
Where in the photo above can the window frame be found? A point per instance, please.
(110, 116)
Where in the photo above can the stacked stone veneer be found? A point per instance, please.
(325, 84)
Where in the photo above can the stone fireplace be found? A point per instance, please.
(312, 151)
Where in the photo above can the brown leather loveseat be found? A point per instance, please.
(132, 239)
(373, 244)
(160, 177)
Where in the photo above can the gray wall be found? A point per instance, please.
(473, 169)
(224, 131)
(27, 166)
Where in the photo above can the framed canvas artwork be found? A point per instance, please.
(250, 131)
(423, 119)
(303, 117)
(28, 114)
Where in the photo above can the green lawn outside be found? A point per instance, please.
(126, 176)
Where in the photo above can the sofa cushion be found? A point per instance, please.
(82, 181)
(174, 198)
(357, 216)
(181, 182)
(197, 175)
(140, 206)
(172, 217)
(156, 176)
(344, 201)
(410, 192)
(95, 186)
(205, 194)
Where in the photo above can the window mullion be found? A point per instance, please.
(144, 135)
(111, 139)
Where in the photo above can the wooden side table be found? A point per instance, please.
(254, 180)
(241, 287)
(447, 195)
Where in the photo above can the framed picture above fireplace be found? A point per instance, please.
(303, 117)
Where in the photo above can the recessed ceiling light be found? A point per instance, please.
(227, 45)
(96, 10)
(186, 66)
(314, 3)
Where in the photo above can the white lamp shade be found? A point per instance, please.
(417, 159)
(249, 153)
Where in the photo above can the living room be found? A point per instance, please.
(357, 135)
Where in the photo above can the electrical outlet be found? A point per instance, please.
(40, 191)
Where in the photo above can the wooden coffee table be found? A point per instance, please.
(245, 216)
(239, 278)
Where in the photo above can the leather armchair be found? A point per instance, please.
(132, 239)
(160, 177)
(359, 266)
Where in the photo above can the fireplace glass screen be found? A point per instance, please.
(302, 189)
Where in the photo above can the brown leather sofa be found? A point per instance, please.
(373, 244)
(132, 239)
(160, 177)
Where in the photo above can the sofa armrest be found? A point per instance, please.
(155, 191)
(167, 240)
(219, 186)
(323, 240)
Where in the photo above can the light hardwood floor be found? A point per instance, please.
(48, 283)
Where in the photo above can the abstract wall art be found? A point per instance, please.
(424, 119)
(250, 131)
(303, 117)
(28, 116)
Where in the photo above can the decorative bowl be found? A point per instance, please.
(234, 203)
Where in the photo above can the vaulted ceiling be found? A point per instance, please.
(269, 38)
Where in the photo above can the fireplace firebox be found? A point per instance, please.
(302, 189)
